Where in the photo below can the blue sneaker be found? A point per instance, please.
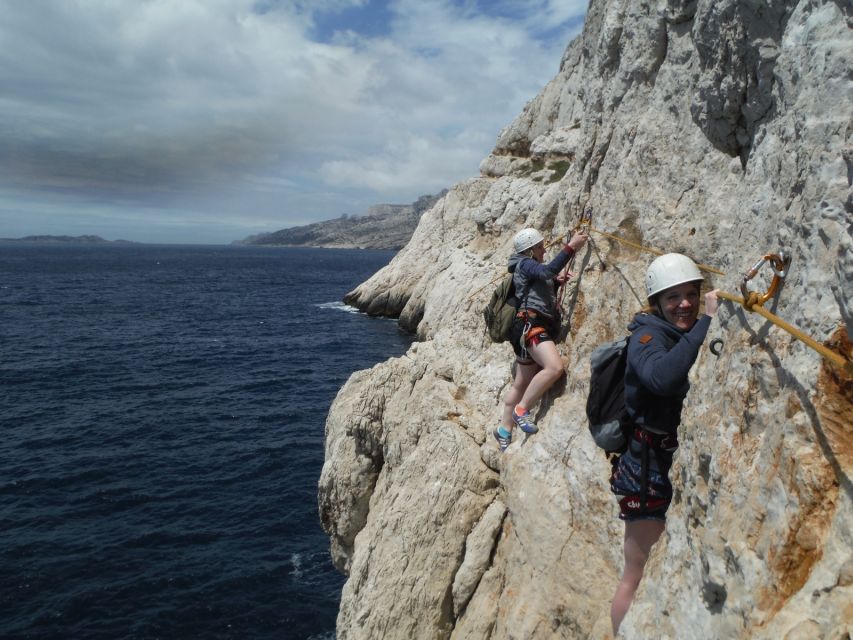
(524, 422)
(503, 442)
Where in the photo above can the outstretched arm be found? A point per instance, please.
(663, 372)
(537, 271)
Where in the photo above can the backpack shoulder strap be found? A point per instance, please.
(522, 301)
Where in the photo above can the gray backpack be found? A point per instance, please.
(605, 404)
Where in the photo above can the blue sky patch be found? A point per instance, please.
(369, 21)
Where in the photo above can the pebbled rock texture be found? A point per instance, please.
(717, 128)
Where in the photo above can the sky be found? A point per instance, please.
(206, 121)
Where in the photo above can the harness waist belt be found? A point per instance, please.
(657, 440)
(530, 313)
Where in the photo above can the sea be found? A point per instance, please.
(163, 412)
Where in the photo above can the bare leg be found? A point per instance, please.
(545, 354)
(640, 535)
(524, 373)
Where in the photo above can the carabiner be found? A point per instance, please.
(586, 219)
(524, 331)
(779, 263)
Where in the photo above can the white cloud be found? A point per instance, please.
(226, 106)
(477, 73)
(410, 164)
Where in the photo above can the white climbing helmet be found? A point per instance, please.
(669, 270)
(525, 239)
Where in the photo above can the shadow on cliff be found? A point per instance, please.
(737, 46)
(788, 381)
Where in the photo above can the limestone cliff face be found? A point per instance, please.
(717, 128)
(386, 226)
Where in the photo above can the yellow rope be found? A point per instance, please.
(835, 358)
(751, 304)
(492, 281)
(657, 252)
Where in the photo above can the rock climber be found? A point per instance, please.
(664, 343)
(536, 326)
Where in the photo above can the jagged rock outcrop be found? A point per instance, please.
(386, 226)
(717, 128)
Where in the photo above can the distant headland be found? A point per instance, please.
(87, 239)
(386, 226)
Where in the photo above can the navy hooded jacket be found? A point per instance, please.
(659, 358)
(537, 280)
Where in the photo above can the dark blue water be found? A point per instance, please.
(162, 418)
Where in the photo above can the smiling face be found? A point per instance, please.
(680, 304)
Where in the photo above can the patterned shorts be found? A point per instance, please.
(626, 481)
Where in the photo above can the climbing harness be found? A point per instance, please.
(531, 334)
(523, 340)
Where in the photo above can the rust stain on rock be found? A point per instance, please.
(579, 315)
(814, 482)
(791, 562)
(834, 402)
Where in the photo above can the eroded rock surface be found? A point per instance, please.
(717, 128)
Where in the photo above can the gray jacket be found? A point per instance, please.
(536, 281)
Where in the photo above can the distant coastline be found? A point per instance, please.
(386, 226)
(66, 240)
